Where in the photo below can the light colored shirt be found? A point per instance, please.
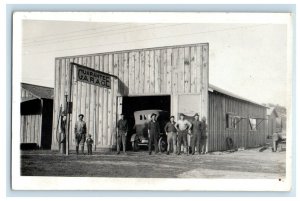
(183, 124)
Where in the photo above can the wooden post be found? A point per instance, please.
(68, 98)
(64, 144)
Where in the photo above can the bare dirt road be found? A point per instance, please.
(246, 164)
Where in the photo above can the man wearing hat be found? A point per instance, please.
(80, 133)
(196, 134)
(153, 133)
(122, 129)
(182, 127)
(171, 132)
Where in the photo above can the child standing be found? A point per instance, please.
(89, 143)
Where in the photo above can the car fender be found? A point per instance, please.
(134, 137)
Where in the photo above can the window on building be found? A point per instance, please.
(231, 121)
(252, 123)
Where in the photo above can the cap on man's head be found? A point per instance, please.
(81, 115)
(181, 114)
(153, 114)
(196, 115)
(171, 117)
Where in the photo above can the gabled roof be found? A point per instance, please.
(39, 91)
(270, 110)
(213, 88)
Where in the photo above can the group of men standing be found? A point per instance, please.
(177, 134)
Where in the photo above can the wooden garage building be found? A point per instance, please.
(180, 72)
(36, 115)
(232, 116)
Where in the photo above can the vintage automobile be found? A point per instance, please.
(140, 137)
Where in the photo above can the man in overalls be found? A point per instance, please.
(80, 133)
(153, 133)
(196, 134)
(122, 129)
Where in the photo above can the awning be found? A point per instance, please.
(27, 99)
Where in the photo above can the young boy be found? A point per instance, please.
(89, 143)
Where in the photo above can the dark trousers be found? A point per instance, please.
(153, 139)
(80, 140)
(90, 147)
(203, 143)
(195, 142)
(182, 138)
(121, 140)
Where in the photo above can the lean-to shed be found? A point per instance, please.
(36, 115)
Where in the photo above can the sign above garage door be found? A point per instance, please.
(91, 76)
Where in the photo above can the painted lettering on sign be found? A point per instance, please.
(93, 77)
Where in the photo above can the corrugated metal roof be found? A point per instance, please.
(213, 88)
(39, 91)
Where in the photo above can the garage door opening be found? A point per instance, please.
(137, 103)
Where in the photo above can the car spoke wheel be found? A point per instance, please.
(135, 146)
(162, 145)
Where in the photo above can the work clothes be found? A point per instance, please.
(182, 127)
(80, 135)
(171, 139)
(276, 138)
(153, 130)
(171, 132)
(121, 140)
(203, 141)
(122, 126)
(182, 139)
(196, 135)
(89, 143)
(170, 127)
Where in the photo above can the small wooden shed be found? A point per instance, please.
(276, 121)
(232, 116)
(36, 115)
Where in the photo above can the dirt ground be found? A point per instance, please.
(246, 164)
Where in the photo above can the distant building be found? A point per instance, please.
(36, 115)
(276, 120)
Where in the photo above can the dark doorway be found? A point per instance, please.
(136, 103)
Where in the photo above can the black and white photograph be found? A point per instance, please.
(151, 101)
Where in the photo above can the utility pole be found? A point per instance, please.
(67, 125)
(69, 109)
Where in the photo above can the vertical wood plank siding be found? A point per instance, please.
(30, 128)
(221, 104)
(157, 71)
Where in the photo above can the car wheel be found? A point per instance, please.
(162, 145)
(135, 146)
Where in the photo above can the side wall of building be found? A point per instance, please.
(31, 123)
(242, 136)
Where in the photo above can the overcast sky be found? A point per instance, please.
(246, 59)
